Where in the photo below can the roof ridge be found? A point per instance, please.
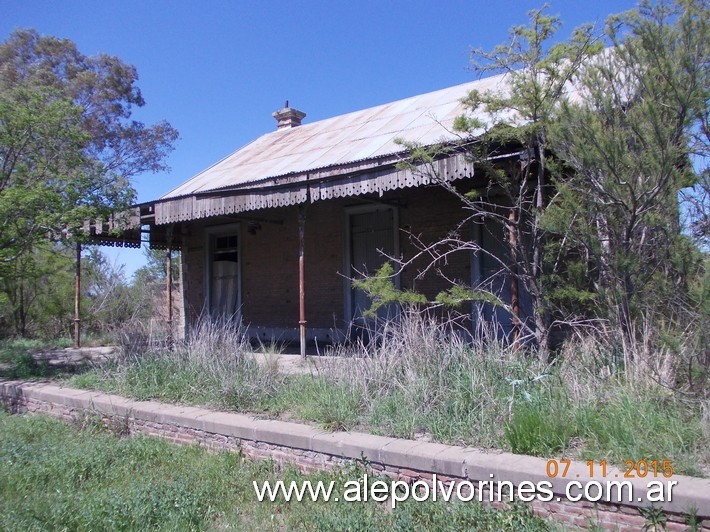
(359, 135)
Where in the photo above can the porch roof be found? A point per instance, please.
(359, 136)
(342, 156)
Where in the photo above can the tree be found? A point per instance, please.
(42, 174)
(39, 294)
(38, 288)
(629, 141)
(518, 120)
(606, 143)
(696, 202)
(68, 147)
(154, 270)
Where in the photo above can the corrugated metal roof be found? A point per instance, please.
(358, 136)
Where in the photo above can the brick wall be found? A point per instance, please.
(270, 271)
(269, 257)
(430, 214)
(312, 450)
(193, 273)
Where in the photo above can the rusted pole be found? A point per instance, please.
(301, 281)
(169, 295)
(514, 292)
(77, 298)
(181, 299)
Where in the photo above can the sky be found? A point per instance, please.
(217, 69)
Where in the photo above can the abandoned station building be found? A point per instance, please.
(337, 184)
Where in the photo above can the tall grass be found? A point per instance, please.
(27, 358)
(212, 366)
(416, 378)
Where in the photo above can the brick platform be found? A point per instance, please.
(311, 449)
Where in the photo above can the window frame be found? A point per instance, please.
(347, 255)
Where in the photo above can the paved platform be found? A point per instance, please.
(294, 364)
(75, 357)
(410, 461)
(285, 363)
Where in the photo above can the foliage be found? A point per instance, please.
(512, 123)
(38, 289)
(24, 366)
(696, 202)
(68, 149)
(382, 291)
(418, 378)
(108, 300)
(628, 139)
(103, 88)
(212, 367)
(154, 270)
(594, 164)
(44, 176)
(456, 295)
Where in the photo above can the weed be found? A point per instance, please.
(655, 518)
(417, 376)
(325, 402)
(537, 429)
(694, 523)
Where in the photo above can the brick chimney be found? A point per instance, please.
(288, 117)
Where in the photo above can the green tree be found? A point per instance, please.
(629, 139)
(38, 292)
(42, 168)
(103, 87)
(518, 118)
(68, 145)
(149, 282)
(108, 300)
(154, 270)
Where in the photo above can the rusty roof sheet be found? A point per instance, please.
(353, 137)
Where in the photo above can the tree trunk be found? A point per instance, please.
(514, 291)
(20, 313)
(542, 318)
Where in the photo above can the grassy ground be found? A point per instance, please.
(419, 382)
(57, 477)
(16, 358)
(17, 362)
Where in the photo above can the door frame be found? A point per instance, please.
(211, 234)
(347, 255)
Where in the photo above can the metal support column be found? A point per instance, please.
(77, 298)
(301, 280)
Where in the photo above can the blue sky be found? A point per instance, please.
(216, 70)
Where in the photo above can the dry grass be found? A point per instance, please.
(417, 378)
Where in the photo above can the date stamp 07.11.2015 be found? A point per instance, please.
(632, 469)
